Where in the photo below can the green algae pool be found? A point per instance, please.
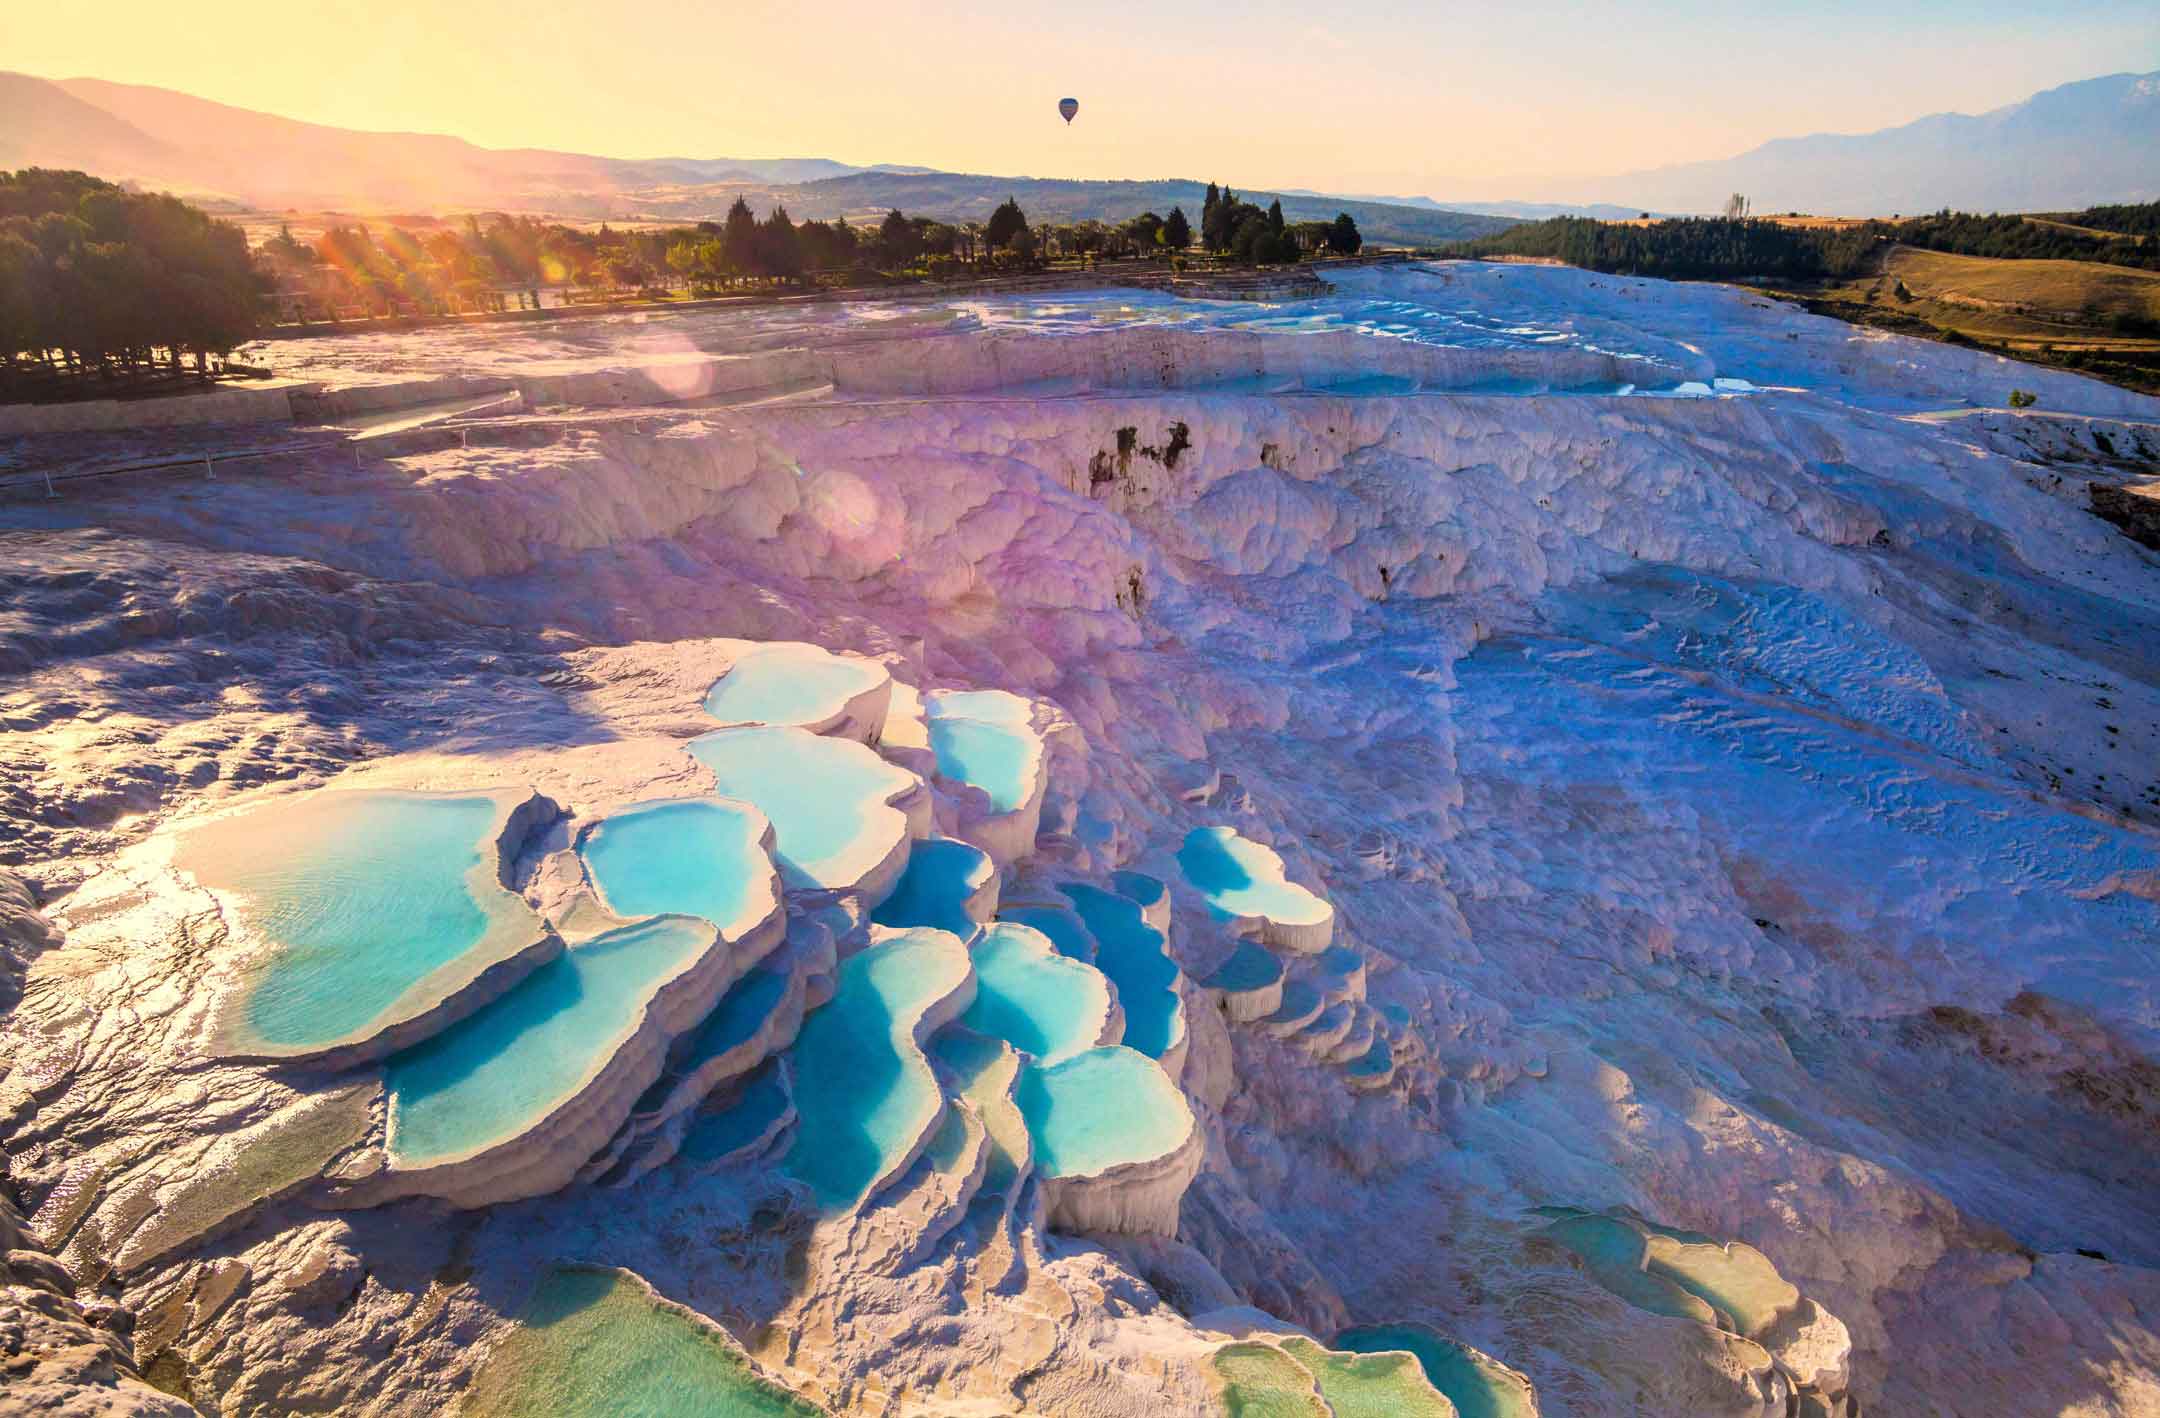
(1369, 1385)
(1478, 1386)
(790, 683)
(828, 799)
(1131, 952)
(598, 1344)
(491, 1076)
(688, 857)
(1260, 1381)
(864, 1092)
(1100, 1109)
(1034, 998)
(364, 901)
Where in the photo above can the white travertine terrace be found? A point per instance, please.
(509, 940)
(1734, 799)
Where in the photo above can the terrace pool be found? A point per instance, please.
(1130, 952)
(1100, 1109)
(986, 737)
(756, 1111)
(490, 1077)
(689, 857)
(942, 876)
(829, 799)
(1478, 1386)
(1241, 878)
(865, 1094)
(371, 906)
(1034, 998)
(595, 1343)
(790, 683)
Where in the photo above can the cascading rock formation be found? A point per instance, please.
(1501, 841)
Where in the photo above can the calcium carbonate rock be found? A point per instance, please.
(1731, 792)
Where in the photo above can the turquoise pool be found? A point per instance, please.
(688, 857)
(1060, 923)
(359, 898)
(752, 1114)
(1240, 877)
(790, 683)
(985, 737)
(864, 1092)
(827, 798)
(1131, 953)
(489, 1077)
(941, 876)
(1034, 998)
(742, 1011)
(1100, 1109)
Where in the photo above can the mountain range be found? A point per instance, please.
(2065, 148)
(162, 139)
(2097, 140)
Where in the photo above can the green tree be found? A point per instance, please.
(899, 243)
(1343, 237)
(779, 249)
(1176, 230)
(1007, 224)
(739, 239)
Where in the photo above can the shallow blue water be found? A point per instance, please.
(1032, 997)
(693, 857)
(363, 894)
(789, 684)
(1240, 878)
(1131, 952)
(823, 795)
(941, 875)
(492, 1075)
(742, 1011)
(1099, 1109)
(761, 1103)
(1061, 924)
(862, 1087)
(983, 737)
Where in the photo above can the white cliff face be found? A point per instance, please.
(1734, 813)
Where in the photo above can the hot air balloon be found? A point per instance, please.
(1068, 107)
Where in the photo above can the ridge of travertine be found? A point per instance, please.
(1735, 801)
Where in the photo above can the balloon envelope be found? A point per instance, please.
(1068, 107)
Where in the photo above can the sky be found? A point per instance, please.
(1440, 98)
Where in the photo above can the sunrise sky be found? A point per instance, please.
(1440, 98)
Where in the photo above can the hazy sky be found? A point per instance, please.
(1448, 99)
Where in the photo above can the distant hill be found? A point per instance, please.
(2085, 143)
(1519, 211)
(160, 138)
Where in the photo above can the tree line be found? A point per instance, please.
(2018, 239)
(97, 280)
(1734, 247)
(1684, 248)
(1233, 227)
